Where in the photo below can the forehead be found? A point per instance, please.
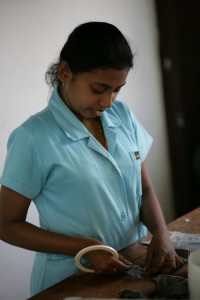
(107, 77)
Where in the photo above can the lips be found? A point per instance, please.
(97, 113)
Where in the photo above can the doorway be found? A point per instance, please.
(179, 42)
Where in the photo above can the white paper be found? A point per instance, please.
(182, 240)
(188, 241)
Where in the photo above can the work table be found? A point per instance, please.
(91, 285)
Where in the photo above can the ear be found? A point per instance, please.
(64, 72)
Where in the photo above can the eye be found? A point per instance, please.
(98, 90)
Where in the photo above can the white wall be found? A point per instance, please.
(31, 35)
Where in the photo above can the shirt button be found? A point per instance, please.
(123, 217)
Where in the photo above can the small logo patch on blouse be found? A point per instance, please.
(137, 154)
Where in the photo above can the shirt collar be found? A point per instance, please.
(70, 124)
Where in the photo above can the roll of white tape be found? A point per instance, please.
(82, 252)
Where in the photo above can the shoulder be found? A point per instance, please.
(35, 127)
(40, 120)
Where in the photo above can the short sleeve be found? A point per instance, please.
(141, 137)
(23, 169)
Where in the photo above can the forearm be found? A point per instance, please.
(31, 237)
(16, 231)
(151, 213)
(161, 255)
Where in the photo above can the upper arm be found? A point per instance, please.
(146, 180)
(13, 207)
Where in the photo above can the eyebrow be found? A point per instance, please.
(108, 86)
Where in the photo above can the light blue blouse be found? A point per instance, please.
(78, 187)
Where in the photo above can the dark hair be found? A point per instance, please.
(92, 46)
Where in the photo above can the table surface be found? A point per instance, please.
(91, 285)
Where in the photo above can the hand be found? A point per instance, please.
(104, 262)
(161, 255)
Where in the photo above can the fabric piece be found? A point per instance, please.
(167, 287)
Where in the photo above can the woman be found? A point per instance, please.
(82, 162)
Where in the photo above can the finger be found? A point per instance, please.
(167, 269)
(125, 261)
(156, 264)
(108, 269)
(169, 265)
(154, 269)
(114, 265)
(121, 264)
(148, 260)
(180, 262)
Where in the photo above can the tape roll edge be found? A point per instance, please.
(85, 250)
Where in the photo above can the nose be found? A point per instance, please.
(107, 99)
